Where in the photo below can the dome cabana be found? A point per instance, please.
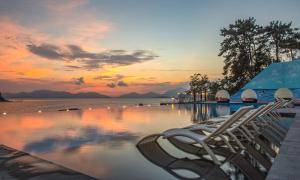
(222, 96)
(249, 96)
(284, 93)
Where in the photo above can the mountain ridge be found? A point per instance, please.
(64, 94)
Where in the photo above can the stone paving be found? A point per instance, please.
(287, 163)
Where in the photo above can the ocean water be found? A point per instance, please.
(100, 138)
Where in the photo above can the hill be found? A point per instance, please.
(53, 94)
(145, 95)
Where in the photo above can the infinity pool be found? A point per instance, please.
(99, 139)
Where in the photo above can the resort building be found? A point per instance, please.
(267, 82)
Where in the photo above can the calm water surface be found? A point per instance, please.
(99, 139)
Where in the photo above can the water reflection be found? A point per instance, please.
(234, 166)
(103, 138)
(201, 112)
(76, 140)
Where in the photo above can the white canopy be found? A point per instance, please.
(222, 94)
(248, 94)
(283, 93)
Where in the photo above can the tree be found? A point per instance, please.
(213, 87)
(282, 38)
(194, 85)
(204, 84)
(245, 52)
(198, 84)
(292, 45)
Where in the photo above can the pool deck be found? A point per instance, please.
(287, 163)
(16, 164)
(210, 102)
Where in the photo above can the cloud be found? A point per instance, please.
(122, 84)
(117, 84)
(63, 6)
(79, 81)
(111, 78)
(161, 84)
(91, 60)
(111, 85)
(47, 51)
(177, 70)
(72, 67)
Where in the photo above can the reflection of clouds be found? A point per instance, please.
(87, 135)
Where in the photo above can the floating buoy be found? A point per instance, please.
(90, 108)
(67, 110)
(108, 107)
(39, 111)
(4, 113)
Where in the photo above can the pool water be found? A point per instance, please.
(100, 138)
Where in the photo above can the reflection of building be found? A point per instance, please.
(222, 110)
(277, 75)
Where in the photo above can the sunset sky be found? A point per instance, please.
(119, 46)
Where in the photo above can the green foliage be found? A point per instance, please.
(248, 48)
(198, 84)
(282, 38)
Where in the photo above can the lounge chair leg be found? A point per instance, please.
(247, 132)
(228, 144)
(236, 140)
(245, 135)
(210, 152)
(256, 129)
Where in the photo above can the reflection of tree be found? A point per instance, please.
(201, 112)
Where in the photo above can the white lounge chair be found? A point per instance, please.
(251, 115)
(188, 136)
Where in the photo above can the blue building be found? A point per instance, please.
(277, 75)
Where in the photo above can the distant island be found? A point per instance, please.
(53, 94)
(63, 94)
(146, 95)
